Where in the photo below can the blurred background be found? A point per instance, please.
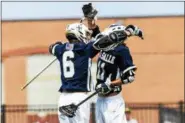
(28, 28)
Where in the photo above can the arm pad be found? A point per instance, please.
(118, 36)
(128, 75)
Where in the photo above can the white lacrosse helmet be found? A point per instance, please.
(78, 31)
(107, 45)
(113, 28)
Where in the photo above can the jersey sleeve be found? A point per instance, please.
(127, 68)
(125, 59)
(56, 48)
(91, 50)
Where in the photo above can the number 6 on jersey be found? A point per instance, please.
(68, 65)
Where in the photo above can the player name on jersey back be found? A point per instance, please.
(107, 57)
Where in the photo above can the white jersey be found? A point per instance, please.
(132, 121)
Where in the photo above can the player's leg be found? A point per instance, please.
(99, 110)
(82, 113)
(63, 100)
(119, 115)
(63, 119)
(114, 111)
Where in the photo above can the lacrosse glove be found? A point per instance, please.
(103, 89)
(68, 110)
(128, 75)
(135, 31)
(88, 11)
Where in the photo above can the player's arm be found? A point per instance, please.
(116, 82)
(109, 37)
(95, 28)
(127, 68)
(54, 48)
(90, 15)
(95, 46)
(91, 50)
(127, 76)
(129, 31)
(133, 30)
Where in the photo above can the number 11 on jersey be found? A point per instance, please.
(101, 70)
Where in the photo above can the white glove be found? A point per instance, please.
(135, 31)
(104, 88)
(128, 75)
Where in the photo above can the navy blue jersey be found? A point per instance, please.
(111, 63)
(75, 63)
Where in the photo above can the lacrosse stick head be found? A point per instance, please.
(68, 110)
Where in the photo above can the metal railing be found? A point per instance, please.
(143, 112)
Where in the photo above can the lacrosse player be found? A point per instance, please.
(114, 64)
(75, 63)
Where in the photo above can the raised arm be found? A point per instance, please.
(54, 48)
(127, 68)
(90, 15)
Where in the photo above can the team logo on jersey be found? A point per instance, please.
(69, 46)
(107, 57)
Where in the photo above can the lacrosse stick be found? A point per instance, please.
(69, 110)
(38, 74)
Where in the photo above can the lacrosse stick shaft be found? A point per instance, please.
(38, 74)
(87, 98)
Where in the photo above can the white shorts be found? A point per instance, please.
(82, 113)
(110, 109)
